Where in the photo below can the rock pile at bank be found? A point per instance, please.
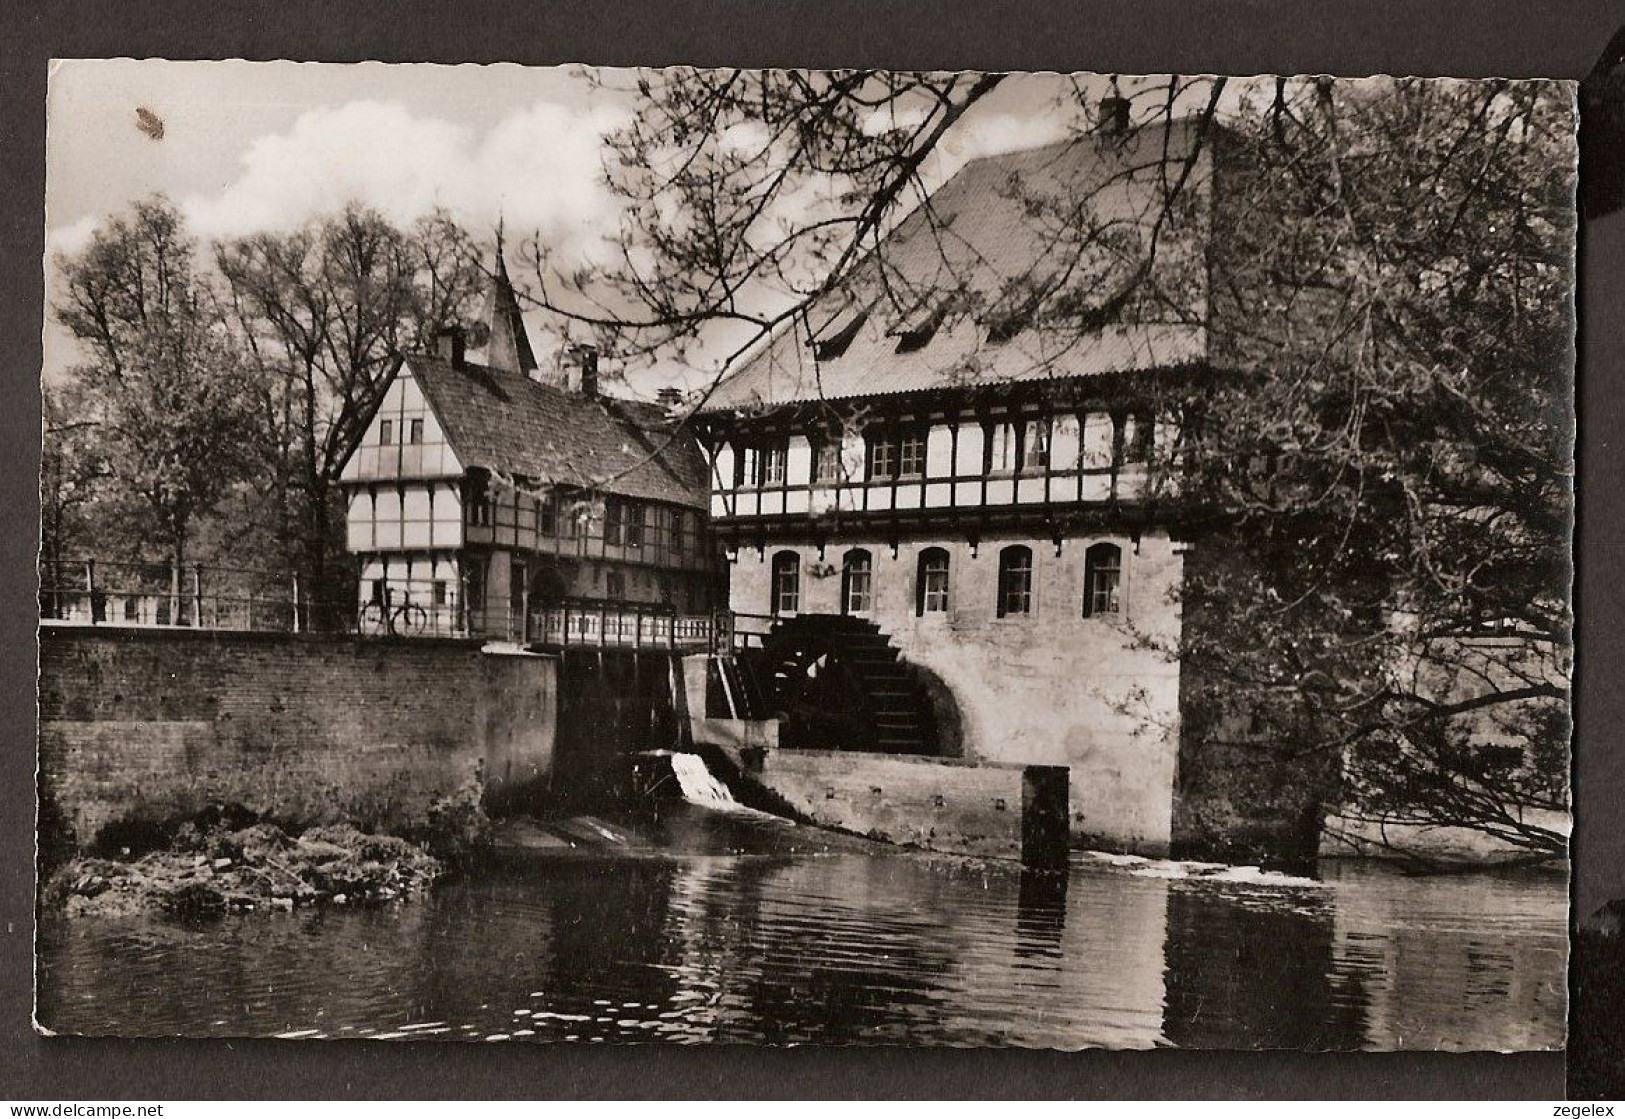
(207, 872)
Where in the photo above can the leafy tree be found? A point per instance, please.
(161, 401)
(1396, 459)
(72, 473)
(323, 312)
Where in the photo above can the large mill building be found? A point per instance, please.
(940, 490)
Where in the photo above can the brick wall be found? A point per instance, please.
(148, 724)
(1049, 688)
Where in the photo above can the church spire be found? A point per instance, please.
(509, 346)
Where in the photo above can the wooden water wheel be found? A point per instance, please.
(837, 683)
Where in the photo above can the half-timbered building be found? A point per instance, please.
(946, 481)
(494, 499)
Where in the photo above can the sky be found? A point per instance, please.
(267, 146)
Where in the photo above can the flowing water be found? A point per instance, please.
(847, 947)
(697, 783)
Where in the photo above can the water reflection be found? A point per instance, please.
(1258, 966)
(849, 948)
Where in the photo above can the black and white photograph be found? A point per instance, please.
(775, 557)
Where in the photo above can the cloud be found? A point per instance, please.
(998, 133)
(893, 117)
(540, 168)
(73, 237)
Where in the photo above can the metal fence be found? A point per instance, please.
(201, 596)
(102, 592)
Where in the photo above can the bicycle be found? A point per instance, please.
(403, 619)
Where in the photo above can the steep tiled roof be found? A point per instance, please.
(992, 225)
(510, 424)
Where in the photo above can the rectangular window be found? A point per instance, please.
(386, 432)
(480, 503)
(547, 514)
(415, 432)
(1133, 437)
(773, 461)
(911, 455)
(615, 585)
(677, 529)
(827, 462)
(933, 581)
(1002, 450)
(612, 522)
(439, 592)
(857, 581)
(632, 532)
(518, 584)
(748, 467)
(474, 593)
(1015, 580)
(1035, 454)
(786, 583)
(882, 456)
(1102, 578)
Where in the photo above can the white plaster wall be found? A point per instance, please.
(1051, 687)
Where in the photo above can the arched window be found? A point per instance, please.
(931, 583)
(1015, 580)
(1102, 576)
(857, 574)
(786, 583)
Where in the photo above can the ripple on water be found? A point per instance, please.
(850, 948)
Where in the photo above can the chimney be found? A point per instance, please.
(449, 345)
(1113, 118)
(585, 375)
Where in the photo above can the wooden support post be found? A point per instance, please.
(197, 599)
(296, 628)
(90, 589)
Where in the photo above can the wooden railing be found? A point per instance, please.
(607, 624)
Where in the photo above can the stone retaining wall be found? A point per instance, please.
(384, 733)
(940, 804)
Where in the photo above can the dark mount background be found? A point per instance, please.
(1514, 38)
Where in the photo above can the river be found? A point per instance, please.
(844, 947)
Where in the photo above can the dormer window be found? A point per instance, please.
(1007, 322)
(386, 432)
(918, 329)
(837, 335)
(1007, 327)
(1016, 308)
(415, 432)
